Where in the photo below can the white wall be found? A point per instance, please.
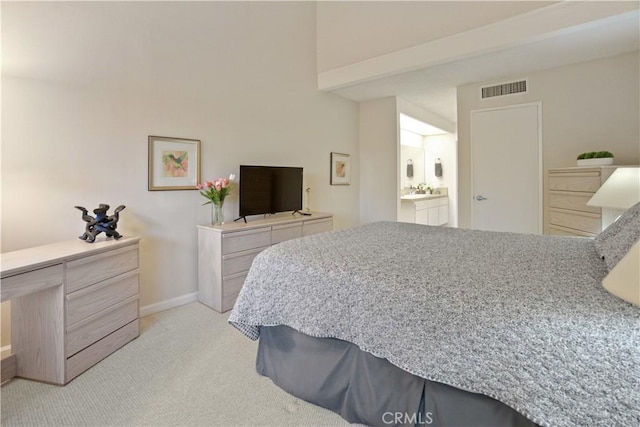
(590, 106)
(379, 160)
(84, 84)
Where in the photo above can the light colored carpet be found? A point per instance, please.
(189, 367)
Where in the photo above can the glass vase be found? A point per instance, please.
(217, 213)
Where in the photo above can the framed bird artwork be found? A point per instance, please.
(174, 163)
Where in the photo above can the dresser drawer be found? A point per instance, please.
(239, 261)
(281, 233)
(572, 200)
(317, 226)
(87, 271)
(556, 230)
(93, 299)
(91, 355)
(245, 240)
(26, 283)
(587, 222)
(231, 287)
(96, 327)
(584, 182)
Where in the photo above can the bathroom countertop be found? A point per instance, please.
(417, 197)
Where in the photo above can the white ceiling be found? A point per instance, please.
(434, 88)
(118, 42)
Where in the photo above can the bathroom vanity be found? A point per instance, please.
(428, 209)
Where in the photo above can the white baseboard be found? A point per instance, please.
(167, 304)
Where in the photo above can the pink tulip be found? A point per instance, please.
(225, 183)
(208, 183)
(218, 186)
(199, 186)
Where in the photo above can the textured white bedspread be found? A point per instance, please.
(519, 318)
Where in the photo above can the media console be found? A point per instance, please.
(225, 252)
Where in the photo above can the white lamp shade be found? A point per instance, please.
(620, 191)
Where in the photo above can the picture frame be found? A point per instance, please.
(340, 169)
(174, 163)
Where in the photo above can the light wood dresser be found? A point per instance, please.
(72, 304)
(568, 191)
(225, 253)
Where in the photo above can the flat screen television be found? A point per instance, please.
(269, 189)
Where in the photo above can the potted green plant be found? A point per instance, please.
(595, 158)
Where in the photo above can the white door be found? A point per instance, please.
(506, 169)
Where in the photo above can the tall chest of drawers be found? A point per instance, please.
(568, 191)
(225, 253)
(72, 304)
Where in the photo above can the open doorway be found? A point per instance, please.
(428, 162)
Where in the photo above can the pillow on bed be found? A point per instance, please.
(618, 238)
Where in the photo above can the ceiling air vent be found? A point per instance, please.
(504, 89)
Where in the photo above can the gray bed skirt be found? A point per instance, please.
(364, 389)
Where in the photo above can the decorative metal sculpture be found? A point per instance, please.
(101, 223)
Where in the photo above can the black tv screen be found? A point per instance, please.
(269, 189)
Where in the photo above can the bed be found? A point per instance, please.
(406, 324)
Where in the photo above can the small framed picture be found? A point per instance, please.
(340, 169)
(174, 163)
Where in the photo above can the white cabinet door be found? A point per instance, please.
(432, 216)
(443, 214)
(422, 216)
